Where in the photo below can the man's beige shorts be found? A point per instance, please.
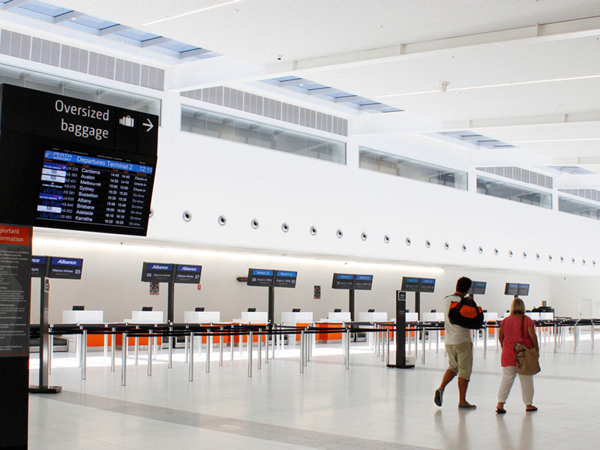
(460, 359)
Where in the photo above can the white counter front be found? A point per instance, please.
(490, 316)
(255, 317)
(430, 317)
(146, 317)
(372, 317)
(338, 317)
(201, 316)
(292, 318)
(69, 316)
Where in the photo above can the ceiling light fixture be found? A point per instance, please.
(205, 8)
(487, 86)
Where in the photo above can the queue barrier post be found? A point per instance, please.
(302, 337)
(84, 355)
(208, 346)
(221, 339)
(250, 354)
(170, 346)
(113, 349)
(150, 342)
(191, 359)
(259, 359)
(124, 360)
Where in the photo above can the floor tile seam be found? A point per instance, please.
(263, 431)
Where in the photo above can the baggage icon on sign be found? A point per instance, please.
(127, 121)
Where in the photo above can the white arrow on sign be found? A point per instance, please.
(150, 125)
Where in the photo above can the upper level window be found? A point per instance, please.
(514, 192)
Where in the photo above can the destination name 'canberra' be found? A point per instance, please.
(87, 112)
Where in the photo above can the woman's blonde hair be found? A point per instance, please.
(517, 307)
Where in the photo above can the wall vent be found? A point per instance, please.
(72, 58)
(262, 106)
(523, 175)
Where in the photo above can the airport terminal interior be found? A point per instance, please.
(241, 219)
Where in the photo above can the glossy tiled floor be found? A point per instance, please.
(326, 407)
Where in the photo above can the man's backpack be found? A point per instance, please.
(466, 314)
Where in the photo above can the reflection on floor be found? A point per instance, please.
(326, 407)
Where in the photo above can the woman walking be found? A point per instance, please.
(515, 329)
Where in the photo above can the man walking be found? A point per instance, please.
(459, 349)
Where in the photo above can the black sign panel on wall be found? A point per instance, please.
(343, 281)
(187, 274)
(285, 278)
(38, 266)
(157, 272)
(260, 277)
(77, 164)
(67, 268)
(363, 282)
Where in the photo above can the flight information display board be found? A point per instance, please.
(427, 284)
(511, 289)
(478, 288)
(363, 282)
(260, 277)
(38, 266)
(286, 279)
(89, 190)
(523, 289)
(411, 284)
(66, 268)
(187, 274)
(343, 281)
(157, 272)
(74, 164)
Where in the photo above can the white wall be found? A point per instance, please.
(578, 296)
(112, 274)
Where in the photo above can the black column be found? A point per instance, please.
(271, 304)
(171, 301)
(418, 304)
(351, 307)
(400, 332)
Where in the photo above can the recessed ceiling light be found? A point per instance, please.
(205, 8)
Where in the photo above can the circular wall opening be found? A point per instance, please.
(313, 230)
(222, 220)
(254, 223)
(285, 227)
(187, 216)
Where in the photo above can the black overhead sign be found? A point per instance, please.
(260, 277)
(285, 278)
(363, 282)
(343, 281)
(187, 274)
(157, 272)
(38, 266)
(67, 268)
(75, 164)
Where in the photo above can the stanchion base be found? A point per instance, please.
(45, 389)
(405, 366)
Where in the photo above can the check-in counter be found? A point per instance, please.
(372, 317)
(431, 317)
(533, 315)
(146, 317)
(338, 317)
(255, 317)
(69, 316)
(334, 320)
(488, 316)
(201, 316)
(412, 317)
(296, 319)
(89, 316)
(547, 316)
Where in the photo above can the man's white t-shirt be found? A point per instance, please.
(454, 334)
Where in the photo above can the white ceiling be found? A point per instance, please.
(525, 72)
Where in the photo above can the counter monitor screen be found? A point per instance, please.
(147, 308)
(371, 311)
(187, 274)
(363, 282)
(478, 288)
(285, 279)
(337, 310)
(411, 284)
(38, 266)
(343, 281)
(199, 309)
(523, 290)
(157, 272)
(427, 284)
(260, 277)
(511, 289)
(66, 268)
(296, 310)
(78, 308)
(251, 309)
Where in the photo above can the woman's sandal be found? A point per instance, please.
(500, 411)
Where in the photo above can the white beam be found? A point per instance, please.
(194, 52)
(14, 4)
(155, 41)
(111, 30)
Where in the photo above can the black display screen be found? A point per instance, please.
(260, 277)
(38, 266)
(411, 284)
(187, 274)
(427, 284)
(157, 272)
(67, 268)
(523, 289)
(363, 282)
(511, 289)
(285, 279)
(343, 281)
(478, 288)
(74, 164)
